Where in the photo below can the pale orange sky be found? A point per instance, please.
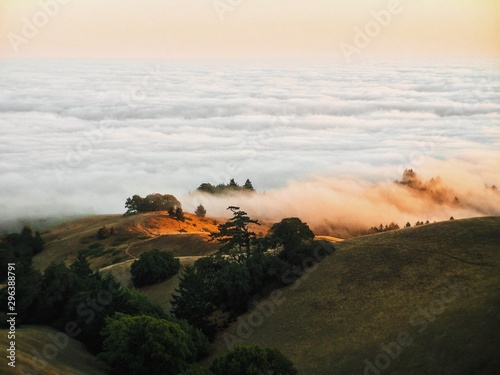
(253, 29)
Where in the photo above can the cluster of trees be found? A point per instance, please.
(87, 306)
(231, 187)
(153, 267)
(177, 213)
(381, 228)
(151, 203)
(226, 281)
(433, 188)
(19, 248)
(132, 335)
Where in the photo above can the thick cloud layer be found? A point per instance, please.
(80, 137)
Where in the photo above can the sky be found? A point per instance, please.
(250, 29)
(320, 102)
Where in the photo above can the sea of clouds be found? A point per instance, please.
(319, 140)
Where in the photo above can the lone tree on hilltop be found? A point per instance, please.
(234, 233)
(200, 211)
(151, 203)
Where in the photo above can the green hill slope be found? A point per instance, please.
(429, 296)
(41, 350)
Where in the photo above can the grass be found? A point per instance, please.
(137, 233)
(373, 289)
(72, 359)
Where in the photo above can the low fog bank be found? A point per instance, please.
(320, 141)
(346, 206)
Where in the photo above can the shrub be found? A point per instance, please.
(144, 345)
(253, 360)
(154, 266)
(103, 233)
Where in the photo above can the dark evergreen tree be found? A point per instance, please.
(235, 234)
(248, 185)
(200, 211)
(193, 300)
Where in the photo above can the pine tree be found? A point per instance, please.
(248, 185)
(200, 211)
(234, 233)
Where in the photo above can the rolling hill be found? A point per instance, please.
(133, 235)
(40, 350)
(422, 300)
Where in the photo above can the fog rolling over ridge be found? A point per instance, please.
(320, 141)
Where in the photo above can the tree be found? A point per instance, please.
(294, 236)
(58, 285)
(233, 287)
(137, 345)
(253, 360)
(179, 214)
(81, 266)
(207, 188)
(154, 266)
(233, 183)
(151, 203)
(193, 299)
(248, 185)
(132, 205)
(408, 225)
(200, 211)
(235, 234)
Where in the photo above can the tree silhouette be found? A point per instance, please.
(200, 211)
(248, 185)
(234, 233)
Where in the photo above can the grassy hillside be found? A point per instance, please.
(160, 293)
(377, 289)
(134, 235)
(31, 344)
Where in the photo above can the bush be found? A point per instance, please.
(103, 233)
(154, 266)
(144, 345)
(253, 360)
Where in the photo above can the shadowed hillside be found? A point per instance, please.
(429, 296)
(69, 357)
